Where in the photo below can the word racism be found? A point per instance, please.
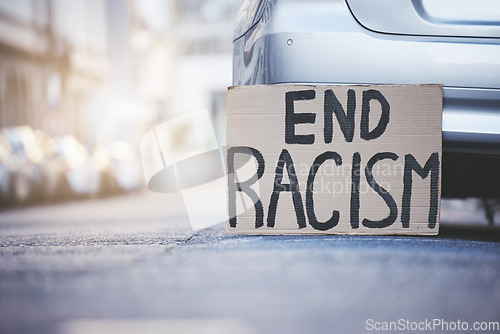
(410, 118)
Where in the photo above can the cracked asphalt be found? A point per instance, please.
(131, 264)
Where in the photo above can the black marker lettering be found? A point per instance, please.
(313, 221)
(346, 120)
(291, 118)
(293, 187)
(432, 166)
(368, 95)
(355, 176)
(244, 186)
(393, 214)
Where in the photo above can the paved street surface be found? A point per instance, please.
(131, 264)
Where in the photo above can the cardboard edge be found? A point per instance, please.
(433, 232)
(440, 85)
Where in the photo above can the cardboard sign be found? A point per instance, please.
(334, 159)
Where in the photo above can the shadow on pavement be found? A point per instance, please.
(473, 233)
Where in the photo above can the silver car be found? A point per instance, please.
(450, 42)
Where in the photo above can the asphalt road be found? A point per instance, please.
(131, 264)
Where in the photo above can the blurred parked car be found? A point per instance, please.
(450, 42)
(5, 171)
(127, 166)
(37, 167)
(26, 156)
(80, 178)
(51, 167)
(123, 166)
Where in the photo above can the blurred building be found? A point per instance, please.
(167, 57)
(140, 53)
(203, 31)
(52, 58)
(106, 70)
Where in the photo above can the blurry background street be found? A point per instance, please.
(85, 247)
(131, 263)
(82, 81)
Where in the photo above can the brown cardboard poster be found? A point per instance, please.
(334, 159)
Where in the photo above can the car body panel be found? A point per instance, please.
(322, 42)
(328, 45)
(464, 18)
(81, 177)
